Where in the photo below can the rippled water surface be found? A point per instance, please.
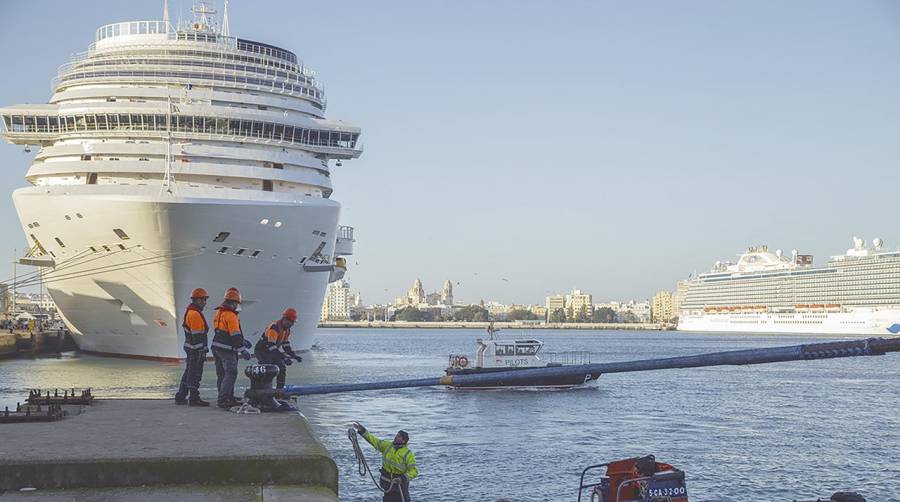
(774, 432)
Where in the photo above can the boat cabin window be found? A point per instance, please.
(505, 350)
(526, 350)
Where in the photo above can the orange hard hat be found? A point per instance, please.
(290, 314)
(233, 294)
(199, 293)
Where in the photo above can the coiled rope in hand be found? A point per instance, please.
(362, 466)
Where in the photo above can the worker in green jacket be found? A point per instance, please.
(398, 464)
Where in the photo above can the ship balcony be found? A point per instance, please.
(344, 244)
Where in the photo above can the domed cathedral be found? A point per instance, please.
(416, 294)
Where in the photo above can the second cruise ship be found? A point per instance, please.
(855, 293)
(172, 158)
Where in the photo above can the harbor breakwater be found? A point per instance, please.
(500, 325)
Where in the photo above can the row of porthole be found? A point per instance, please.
(265, 221)
(224, 250)
(240, 251)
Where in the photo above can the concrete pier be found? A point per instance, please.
(151, 449)
(38, 342)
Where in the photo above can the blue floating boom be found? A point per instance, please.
(526, 377)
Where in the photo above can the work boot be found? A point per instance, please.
(229, 404)
(197, 402)
(180, 400)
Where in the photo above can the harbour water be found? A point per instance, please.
(772, 432)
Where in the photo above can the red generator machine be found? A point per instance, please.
(640, 479)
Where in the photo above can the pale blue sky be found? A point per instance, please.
(610, 146)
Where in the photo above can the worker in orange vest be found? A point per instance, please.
(228, 343)
(274, 346)
(195, 348)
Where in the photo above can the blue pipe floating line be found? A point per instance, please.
(526, 377)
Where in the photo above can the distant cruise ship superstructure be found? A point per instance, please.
(174, 158)
(856, 293)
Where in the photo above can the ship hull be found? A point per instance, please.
(860, 322)
(129, 302)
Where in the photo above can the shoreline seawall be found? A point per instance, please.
(499, 325)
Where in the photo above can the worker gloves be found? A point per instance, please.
(359, 428)
(247, 345)
(298, 358)
(287, 362)
(244, 353)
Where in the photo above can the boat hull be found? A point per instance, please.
(862, 322)
(129, 302)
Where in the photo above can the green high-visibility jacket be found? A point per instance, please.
(394, 460)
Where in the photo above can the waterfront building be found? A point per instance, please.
(172, 157)
(678, 296)
(579, 303)
(554, 303)
(662, 307)
(854, 293)
(337, 303)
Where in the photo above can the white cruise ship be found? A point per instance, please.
(856, 293)
(172, 158)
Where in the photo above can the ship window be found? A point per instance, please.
(59, 242)
(255, 253)
(277, 165)
(92, 179)
(121, 233)
(30, 225)
(121, 247)
(85, 157)
(93, 249)
(264, 221)
(79, 215)
(106, 248)
(36, 224)
(277, 224)
(267, 185)
(223, 250)
(52, 254)
(240, 251)
(69, 218)
(222, 236)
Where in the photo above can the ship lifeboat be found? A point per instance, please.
(801, 306)
(816, 306)
(833, 306)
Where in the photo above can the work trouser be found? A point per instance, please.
(193, 372)
(226, 373)
(275, 357)
(398, 492)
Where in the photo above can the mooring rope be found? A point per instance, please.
(362, 466)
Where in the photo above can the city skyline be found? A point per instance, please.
(712, 128)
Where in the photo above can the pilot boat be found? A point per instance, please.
(512, 357)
